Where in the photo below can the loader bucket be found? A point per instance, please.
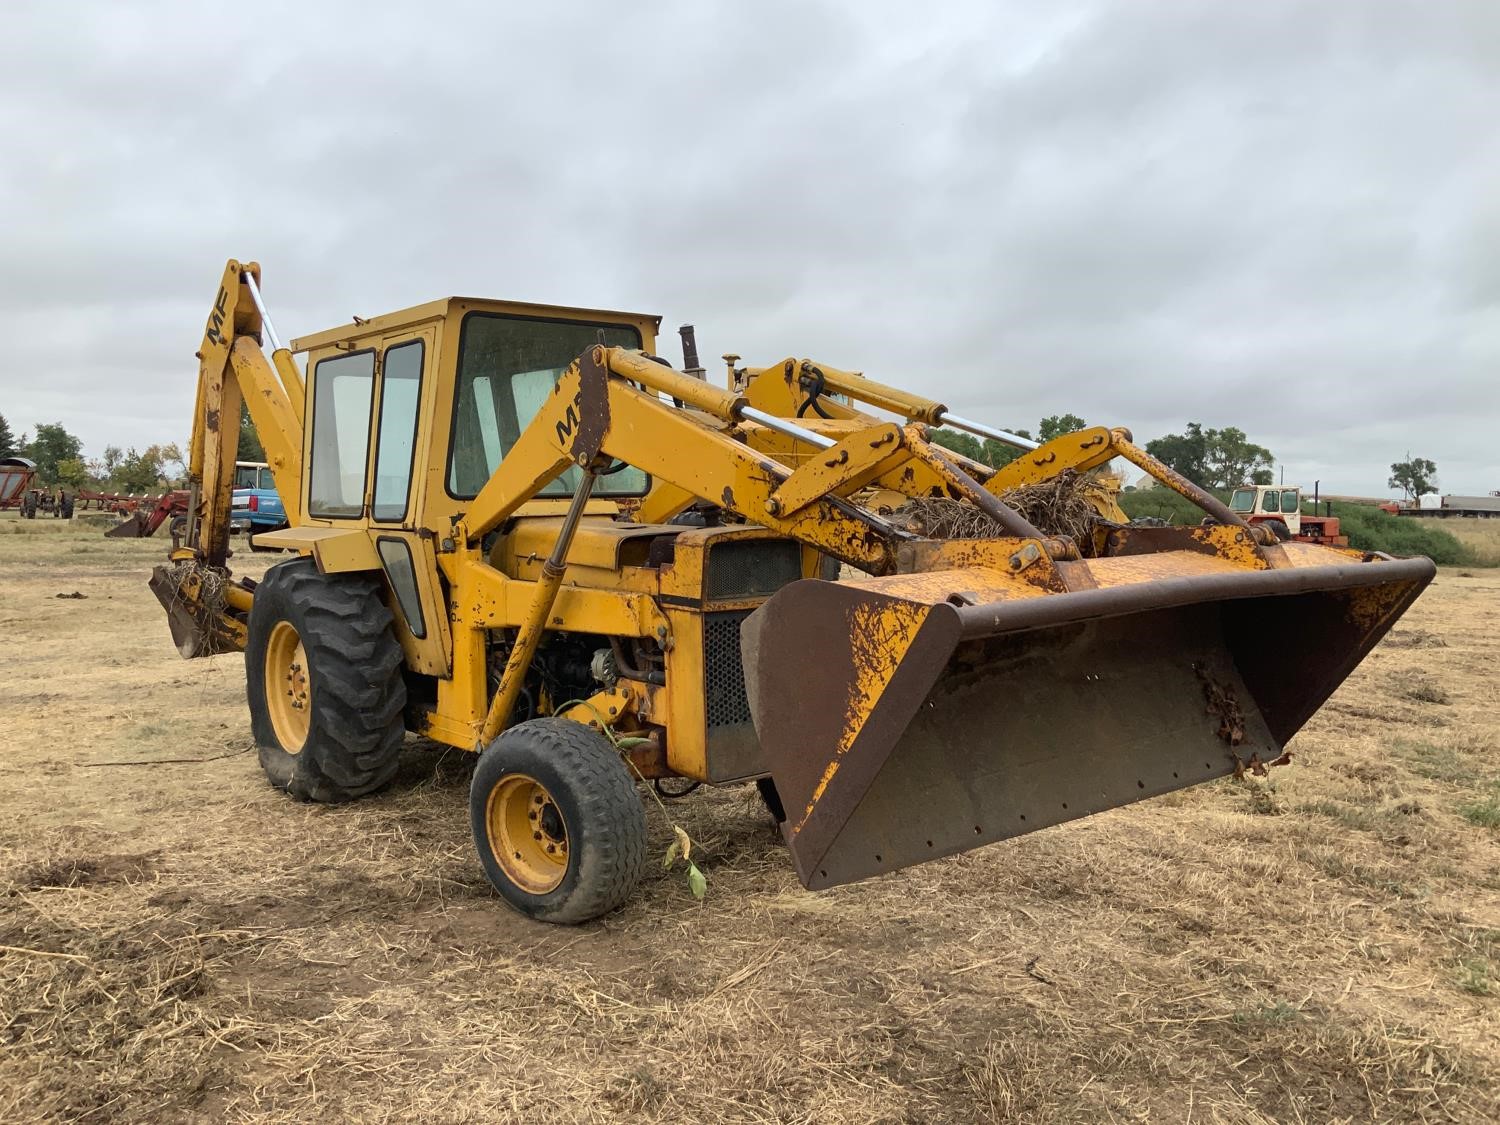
(133, 527)
(899, 728)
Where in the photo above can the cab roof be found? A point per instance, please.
(447, 306)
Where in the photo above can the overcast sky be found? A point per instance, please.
(1280, 216)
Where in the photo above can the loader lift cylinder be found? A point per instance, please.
(1005, 437)
(530, 633)
(782, 426)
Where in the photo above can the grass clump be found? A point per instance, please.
(1475, 977)
(1425, 691)
(1268, 1014)
(1483, 813)
(1437, 761)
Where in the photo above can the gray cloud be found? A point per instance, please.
(1280, 216)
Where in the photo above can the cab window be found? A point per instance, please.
(400, 390)
(342, 391)
(1242, 500)
(1270, 501)
(1289, 501)
(507, 366)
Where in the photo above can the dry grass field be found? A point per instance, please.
(1482, 537)
(179, 942)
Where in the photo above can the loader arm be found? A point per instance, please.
(598, 410)
(806, 390)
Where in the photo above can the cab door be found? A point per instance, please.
(395, 500)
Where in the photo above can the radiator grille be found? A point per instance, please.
(725, 704)
(751, 568)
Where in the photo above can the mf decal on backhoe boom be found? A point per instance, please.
(519, 532)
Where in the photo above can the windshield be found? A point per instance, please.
(245, 474)
(507, 367)
(1243, 500)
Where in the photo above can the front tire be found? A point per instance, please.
(557, 823)
(323, 677)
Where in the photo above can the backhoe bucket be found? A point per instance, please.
(133, 527)
(900, 725)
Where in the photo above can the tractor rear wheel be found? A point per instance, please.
(1280, 529)
(323, 676)
(557, 822)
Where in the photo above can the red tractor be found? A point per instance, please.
(1280, 507)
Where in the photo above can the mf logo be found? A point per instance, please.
(570, 420)
(215, 328)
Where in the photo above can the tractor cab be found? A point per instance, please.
(1269, 503)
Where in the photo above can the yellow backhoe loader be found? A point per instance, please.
(521, 533)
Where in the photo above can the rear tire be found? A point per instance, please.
(557, 822)
(323, 677)
(1279, 527)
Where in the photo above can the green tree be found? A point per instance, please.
(51, 447)
(7, 439)
(966, 444)
(139, 472)
(250, 447)
(1186, 453)
(72, 473)
(1413, 477)
(987, 452)
(173, 464)
(1234, 459)
(1215, 459)
(1056, 425)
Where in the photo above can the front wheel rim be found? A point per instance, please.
(288, 687)
(526, 833)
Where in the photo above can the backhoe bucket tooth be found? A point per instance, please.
(133, 527)
(899, 728)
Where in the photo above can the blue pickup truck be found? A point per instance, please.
(255, 505)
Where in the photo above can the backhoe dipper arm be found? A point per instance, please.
(207, 611)
(233, 369)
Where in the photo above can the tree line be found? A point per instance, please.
(60, 462)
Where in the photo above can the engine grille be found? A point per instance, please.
(723, 674)
(751, 568)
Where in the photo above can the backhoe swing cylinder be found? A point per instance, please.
(530, 633)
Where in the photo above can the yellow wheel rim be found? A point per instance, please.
(527, 835)
(288, 690)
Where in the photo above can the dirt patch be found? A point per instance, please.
(180, 942)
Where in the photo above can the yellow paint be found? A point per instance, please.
(880, 633)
